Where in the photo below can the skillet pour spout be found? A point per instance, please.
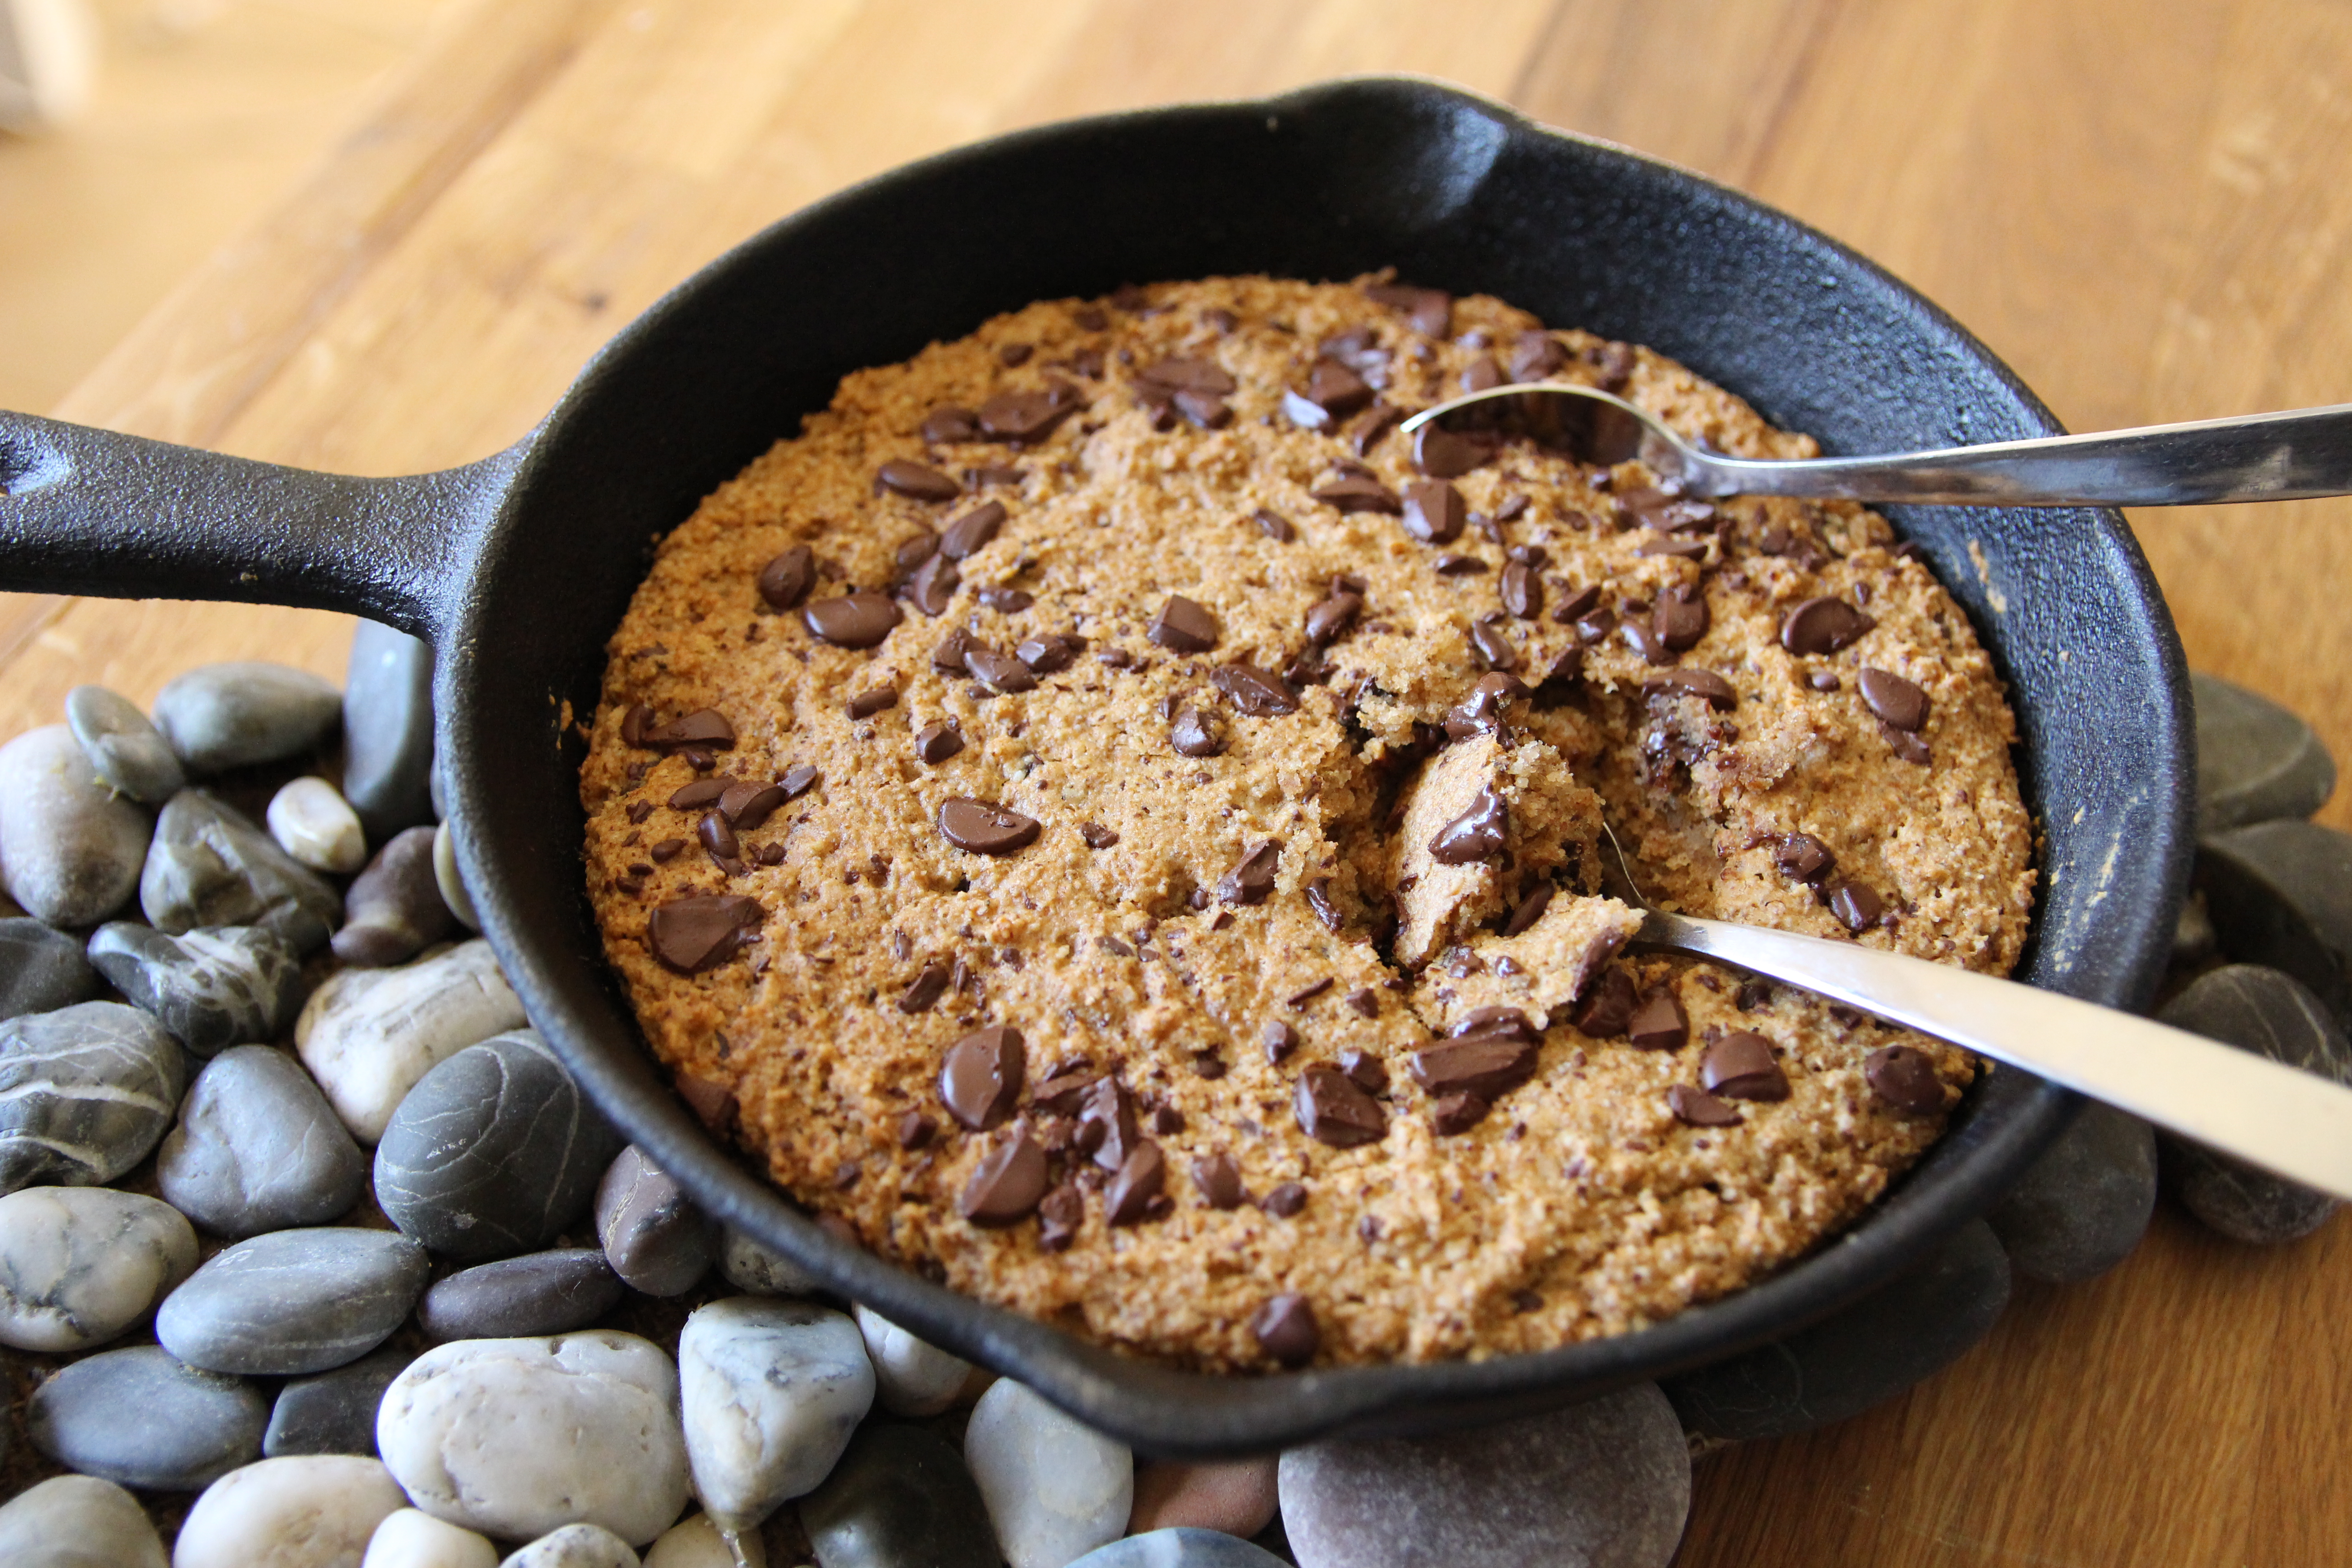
(517, 567)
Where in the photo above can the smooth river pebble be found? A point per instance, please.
(911, 1376)
(2082, 1207)
(139, 1417)
(757, 1269)
(772, 1391)
(126, 751)
(71, 847)
(1055, 1489)
(79, 1265)
(1236, 1497)
(332, 1412)
(85, 1092)
(2280, 894)
(494, 1151)
(368, 1034)
(392, 911)
(220, 716)
(609, 1450)
(451, 880)
(1600, 1485)
(695, 1542)
(1185, 1547)
(212, 987)
(315, 1512)
(538, 1293)
(1858, 1356)
(317, 826)
(388, 729)
(211, 866)
(42, 968)
(2255, 760)
(575, 1546)
(654, 1236)
(257, 1148)
(77, 1521)
(294, 1300)
(2269, 1014)
(415, 1539)
(899, 1498)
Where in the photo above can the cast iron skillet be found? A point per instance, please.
(517, 567)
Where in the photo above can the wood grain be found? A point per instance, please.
(2140, 206)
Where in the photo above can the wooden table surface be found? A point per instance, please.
(2142, 206)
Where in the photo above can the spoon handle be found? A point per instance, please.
(2292, 1123)
(2259, 456)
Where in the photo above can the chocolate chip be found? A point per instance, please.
(1822, 625)
(1252, 878)
(1183, 374)
(1493, 648)
(1219, 1177)
(1364, 1004)
(1284, 1329)
(641, 809)
(1659, 1024)
(746, 804)
(1482, 375)
(1822, 681)
(771, 854)
(1208, 1064)
(701, 932)
(1856, 906)
(1319, 899)
(1902, 705)
(925, 989)
(666, 850)
(1457, 1113)
(1060, 1213)
(1327, 618)
(1705, 684)
(974, 529)
(1336, 390)
(1459, 565)
(1907, 745)
(1284, 1201)
(1487, 1064)
(1023, 416)
(1904, 1078)
(1007, 1183)
(914, 1130)
(934, 586)
(700, 794)
(1739, 1066)
(1535, 356)
(1430, 309)
(866, 704)
(1183, 626)
(786, 581)
(1279, 1039)
(1680, 619)
(714, 1104)
(1522, 591)
(1481, 833)
(1365, 1070)
(1696, 1108)
(985, 829)
(1434, 512)
(851, 620)
(947, 425)
(1578, 606)
(1353, 492)
(1365, 432)
(1142, 1176)
(1252, 691)
(1643, 634)
(915, 481)
(1107, 1123)
(980, 1080)
(1802, 857)
(797, 780)
(705, 729)
(1482, 709)
(1333, 1109)
(935, 744)
(1308, 992)
(998, 671)
(1274, 525)
(1530, 910)
(1015, 354)
(1194, 734)
(1097, 836)
(1045, 654)
(1443, 455)
(718, 837)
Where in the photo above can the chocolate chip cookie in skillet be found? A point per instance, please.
(1115, 825)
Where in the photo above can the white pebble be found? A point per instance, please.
(79, 1265)
(415, 1539)
(773, 1390)
(575, 1546)
(77, 1521)
(368, 1034)
(1055, 1489)
(312, 1511)
(696, 1543)
(911, 1377)
(760, 1271)
(451, 880)
(457, 1429)
(312, 822)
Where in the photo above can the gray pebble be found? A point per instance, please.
(138, 1418)
(494, 1151)
(515, 1297)
(79, 1265)
(1180, 1548)
(257, 1148)
(2194, 940)
(77, 1521)
(368, 1035)
(1055, 1489)
(332, 1412)
(757, 1269)
(125, 751)
(210, 867)
(42, 969)
(2280, 894)
(72, 848)
(2267, 1012)
(220, 716)
(388, 729)
(2084, 1204)
(392, 911)
(912, 1377)
(294, 1300)
(899, 1498)
(654, 1236)
(1857, 1357)
(2255, 761)
(575, 1546)
(1601, 1485)
(85, 1092)
(772, 1392)
(317, 826)
(450, 880)
(212, 987)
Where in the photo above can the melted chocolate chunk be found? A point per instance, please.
(1530, 910)
(1739, 1066)
(1493, 648)
(1430, 309)
(1659, 1024)
(1060, 1213)
(948, 657)
(926, 988)
(701, 933)
(1006, 1186)
(974, 529)
(1182, 374)
(1704, 684)
(1284, 1201)
(934, 586)
(851, 620)
(1251, 880)
(1444, 455)
(985, 829)
(746, 806)
(915, 481)
(915, 1130)
(1026, 416)
(980, 1080)
(1333, 1109)
(1142, 1176)
(786, 581)
(1696, 1108)
(1457, 1113)
(1046, 654)
(866, 704)
(1535, 355)
(1219, 1177)
(1252, 691)
(1097, 836)
(1804, 858)
(1284, 1327)
(705, 730)
(1680, 618)
(1489, 1066)
(1482, 708)
(1107, 1123)
(1274, 525)
(1896, 702)
(949, 424)
(1907, 745)
(1904, 1078)
(1856, 907)
(700, 794)
(1336, 390)
(1434, 512)
(1183, 626)
(1522, 591)
(1357, 492)
(1822, 625)
(1480, 833)
(718, 837)
(1195, 734)
(1365, 1070)
(1279, 1041)
(998, 672)
(935, 744)
(713, 1104)
(1327, 618)
(797, 780)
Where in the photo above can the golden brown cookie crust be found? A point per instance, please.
(1579, 1205)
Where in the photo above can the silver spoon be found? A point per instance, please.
(2257, 457)
(2289, 1122)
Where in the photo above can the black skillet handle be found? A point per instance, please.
(89, 512)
